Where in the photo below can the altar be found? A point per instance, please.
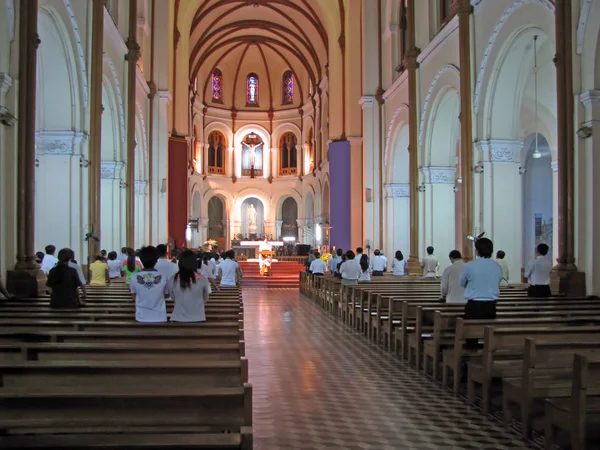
(250, 249)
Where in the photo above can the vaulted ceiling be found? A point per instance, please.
(266, 37)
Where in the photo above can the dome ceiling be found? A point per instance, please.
(264, 37)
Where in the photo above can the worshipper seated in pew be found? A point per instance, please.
(131, 266)
(189, 290)
(229, 270)
(450, 290)
(49, 260)
(399, 265)
(578, 414)
(149, 289)
(115, 267)
(378, 264)
(350, 270)
(430, 264)
(365, 274)
(64, 282)
(500, 255)
(99, 272)
(335, 260)
(318, 266)
(538, 272)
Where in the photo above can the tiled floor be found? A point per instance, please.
(318, 386)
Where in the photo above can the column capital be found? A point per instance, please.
(5, 82)
(397, 190)
(500, 150)
(439, 175)
(58, 142)
(367, 101)
(462, 6)
(590, 99)
(140, 187)
(109, 170)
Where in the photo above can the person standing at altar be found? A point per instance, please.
(265, 261)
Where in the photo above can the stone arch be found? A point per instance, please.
(223, 194)
(399, 118)
(258, 129)
(59, 105)
(309, 206)
(247, 193)
(284, 128)
(285, 194)
(111, 139)
(221, 127)
(110, 75)
(443, 129)
(447, 77)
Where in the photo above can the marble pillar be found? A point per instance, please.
(398, 219)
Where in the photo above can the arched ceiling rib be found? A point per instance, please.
(286, 35)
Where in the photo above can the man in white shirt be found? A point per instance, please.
(149, 289)
(123, 256)
(165, 267)
(538, 273)
(378, 264)
(359, 253)
(502, 263)
(430, 264)
(229, 270)
(451, 291)
(49, 260)
(318, 266)
(335, 260)
(350, 271)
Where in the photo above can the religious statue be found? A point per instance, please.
(252, 219)
(252, 148)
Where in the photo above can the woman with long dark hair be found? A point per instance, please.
(365, 268)
(189, 290)
(399, 264)
(130, 266)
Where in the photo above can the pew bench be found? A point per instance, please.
(578, 414)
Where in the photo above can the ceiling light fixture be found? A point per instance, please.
(536, 153)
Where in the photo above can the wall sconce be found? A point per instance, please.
(585, 132)
(459, 180)
(37, 162)
(83, 162)
(421, 188)
(455, 188)
(522, 170)
(122, 184)
(478, 168)
(163, 186)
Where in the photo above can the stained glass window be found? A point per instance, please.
(288, 88)
(217, 86)
(252, 89)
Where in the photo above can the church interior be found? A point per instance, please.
(276, 128)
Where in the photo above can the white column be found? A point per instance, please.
(141, 214)
(503, 198)
(398, 218)
(554, 166)
(371, 137)
(111, 219)
(159, 155)
(440, 211)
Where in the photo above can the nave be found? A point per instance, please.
(317, 385)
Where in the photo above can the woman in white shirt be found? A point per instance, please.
(364, 267)
(115, 267)
(350, 269)
(189, 290)
(399, 265)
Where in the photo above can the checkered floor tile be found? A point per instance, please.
(319, 386)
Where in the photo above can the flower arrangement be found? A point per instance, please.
(210, 245)
(325, 257)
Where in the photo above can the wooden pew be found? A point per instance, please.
(579, 413)
(546, 372)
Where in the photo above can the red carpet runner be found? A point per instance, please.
(286, 274)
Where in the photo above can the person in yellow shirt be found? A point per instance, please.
(99, 272)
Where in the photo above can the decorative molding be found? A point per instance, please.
(397, 190)
(80, 52)
(140, 187)
(492, 40)
(501, 150)
(442, 71)
(10, 7)
(165, 95)
(113, 70)
(112, 32)
(440, 175)
(143, 124)
(367, 101)
(590, 99)
(396, 85)
(58, 142)
(438, 39)
(5, 82)
(584, 13)
(554, 165)
(388, 140)
(109, 170)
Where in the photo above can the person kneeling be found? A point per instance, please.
(189, 290)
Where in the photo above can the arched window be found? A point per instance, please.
(289, 156)
(252, 90)
(216, 152)
(217, 86)
(288, 88)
